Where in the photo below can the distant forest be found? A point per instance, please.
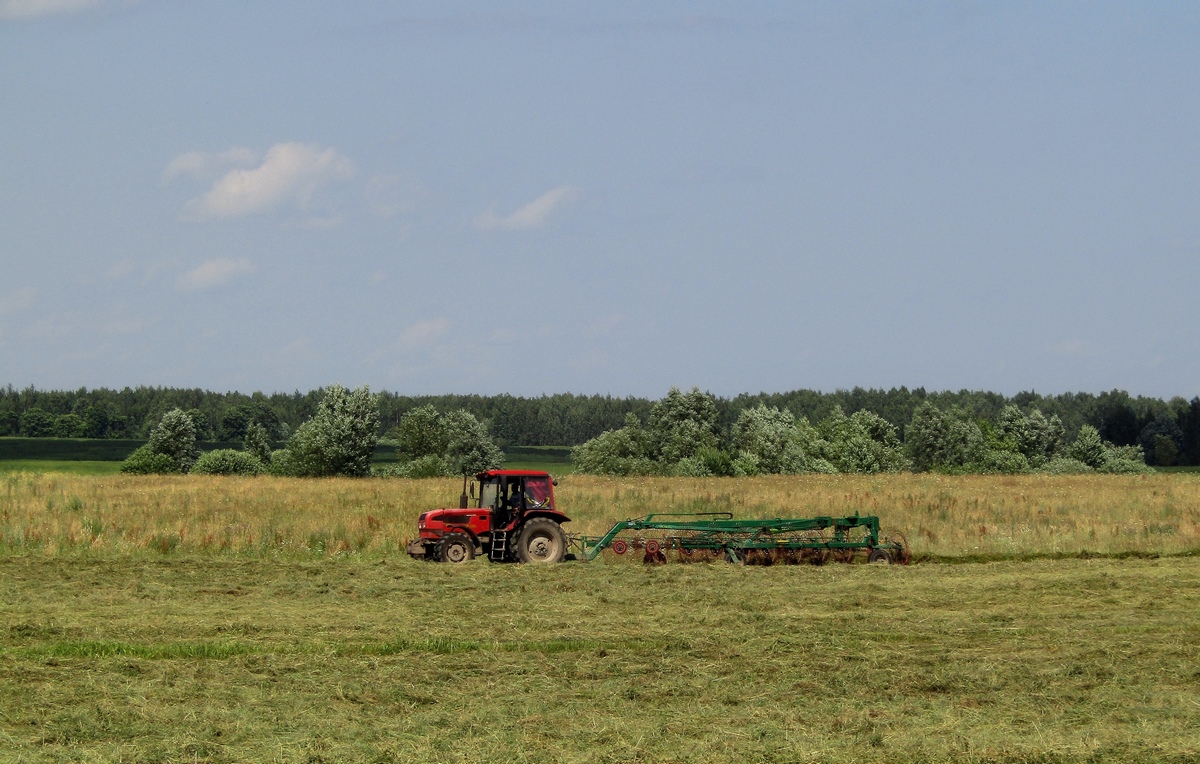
(568, 420)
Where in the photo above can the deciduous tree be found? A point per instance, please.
(340, 438)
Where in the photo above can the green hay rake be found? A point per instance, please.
(704, 536)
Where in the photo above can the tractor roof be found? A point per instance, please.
(511, 473)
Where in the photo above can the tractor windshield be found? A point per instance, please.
(487, 494)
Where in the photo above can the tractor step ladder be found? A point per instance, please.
(499, 547)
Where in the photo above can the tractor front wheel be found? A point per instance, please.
(541, 540)
(455, 548)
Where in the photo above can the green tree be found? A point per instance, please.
(200, 421)
(469, 445)
(175, 437)
(234, 423)
(1124, 460)
(10, 423)
(37, 423)
(429, 443)
(1165, 451)
(768, 440)
(340, 438)
(421, 432)
(69, 426)
(228, 461)
(1088, 447)
(935, 439)
(1164, 426)
(1189, 426)
(97, 421)
(862, 443)
(1032, 435)
(143, 461)
(624, 451)
(683, 423)
(256, 443)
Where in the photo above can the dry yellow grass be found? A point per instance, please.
(942, 516)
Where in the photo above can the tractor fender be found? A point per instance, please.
(463, 530)
(549, 514)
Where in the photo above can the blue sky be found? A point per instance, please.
(611, 198)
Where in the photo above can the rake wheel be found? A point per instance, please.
(905, 554)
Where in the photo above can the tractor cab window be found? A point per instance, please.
(516, 493)
(488, 492)
(537, 491)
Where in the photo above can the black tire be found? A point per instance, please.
(455, 548)
(880, 555)
(541, 540)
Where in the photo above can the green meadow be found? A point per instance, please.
(353, 660)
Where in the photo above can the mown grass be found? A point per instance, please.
(193, 659)
(966, 517)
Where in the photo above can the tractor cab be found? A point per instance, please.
(511, 494)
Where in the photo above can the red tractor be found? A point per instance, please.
(512, 518)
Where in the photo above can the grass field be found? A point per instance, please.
(50, 466)
(389, 660)
(204, 619)
(969, 517)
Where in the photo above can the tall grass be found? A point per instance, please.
(967, 516)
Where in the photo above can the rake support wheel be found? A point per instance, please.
(880, 555)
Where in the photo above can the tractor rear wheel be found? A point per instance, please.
(455, 548)
(541, 540)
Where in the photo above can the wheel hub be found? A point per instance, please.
(539, 547)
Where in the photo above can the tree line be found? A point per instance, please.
(1168, 431)
(682, 437)
(338, 440)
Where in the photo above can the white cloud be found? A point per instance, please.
(205, 166)
(213, 273)
(17, 301)
(422, 334)
(290, 174)
(532, 215)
